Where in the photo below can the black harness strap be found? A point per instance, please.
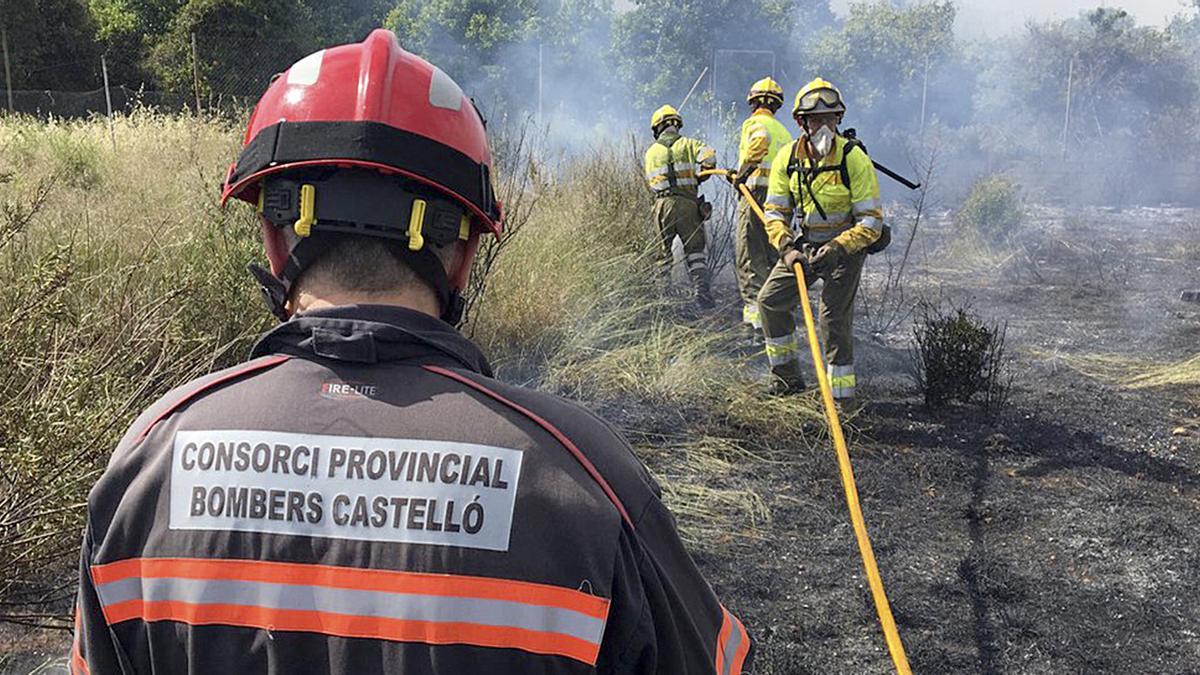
(672, 177)
(809, 173)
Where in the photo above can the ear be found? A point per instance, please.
(459, 270)
(275, 245)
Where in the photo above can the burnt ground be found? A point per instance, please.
(1060, 536)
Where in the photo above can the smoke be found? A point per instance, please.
(987, 81)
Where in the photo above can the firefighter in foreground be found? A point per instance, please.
(832, 180)
(361, 496)
(673, 166)
(762, 138)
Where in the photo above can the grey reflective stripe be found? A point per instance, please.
(759, 181)
(821, 236)
(779, 200)
(782, 350)
(871, 222)
(841, 380)
(657, 173)
(381, 604)
(831, 218)
(868, 204)
(728, 651)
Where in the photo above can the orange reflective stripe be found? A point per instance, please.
(733, 645)
(353, 578)
(78, 664)
(743, 649)
(722, 638)
(346, 625)
(351, 602)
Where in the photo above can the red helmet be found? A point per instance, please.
(416, 147)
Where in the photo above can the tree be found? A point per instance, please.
(50, 44)
(662, 45)
(882, 54)
(1127, 81)
(490, 47)
(127, 30)
(240, 44)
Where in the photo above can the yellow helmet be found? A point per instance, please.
(818, 96)
(665, 114)
(766, 88)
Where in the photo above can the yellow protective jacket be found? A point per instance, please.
(853, 214)
(762, 138)
(674, 163)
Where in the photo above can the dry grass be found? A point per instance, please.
(1132, 372)
(120, 278)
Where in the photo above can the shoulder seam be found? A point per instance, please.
(245, 369)
(548, 427)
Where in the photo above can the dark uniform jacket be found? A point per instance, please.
(363, 497)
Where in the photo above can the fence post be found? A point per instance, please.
(7, 67)
(1067, 119)
(112, 134)
(195, 74)
(924, 94)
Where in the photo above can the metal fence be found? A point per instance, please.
(215, 73)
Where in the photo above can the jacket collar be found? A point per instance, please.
(373, 334)
(669, 137)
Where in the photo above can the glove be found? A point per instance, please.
(791, 256)
(743, 174)
(730, 175)
(825, 260)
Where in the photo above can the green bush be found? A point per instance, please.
(993, 210)
(959, 356)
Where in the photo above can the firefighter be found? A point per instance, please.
(362, 496)
(761, 139)
(832, 180)
(673, 166)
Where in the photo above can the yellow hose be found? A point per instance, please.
(882, 608)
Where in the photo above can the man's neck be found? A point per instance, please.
(421, 300)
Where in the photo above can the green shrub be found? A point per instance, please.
(959, 356)
(993, 210)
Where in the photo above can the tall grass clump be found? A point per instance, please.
(119, 280)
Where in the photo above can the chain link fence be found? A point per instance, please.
(221, 74)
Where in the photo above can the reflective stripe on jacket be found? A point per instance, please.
(689, 157)
(363, 497)
(853, 216)
(762, 138)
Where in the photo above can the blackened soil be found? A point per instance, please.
(1058, 537)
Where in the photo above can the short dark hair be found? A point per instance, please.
(363, 264)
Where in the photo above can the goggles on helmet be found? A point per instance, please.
(830, 98)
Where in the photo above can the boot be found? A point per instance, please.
(786, 379)
(785, 386)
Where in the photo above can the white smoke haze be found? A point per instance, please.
(993, 87)
(995, 18)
